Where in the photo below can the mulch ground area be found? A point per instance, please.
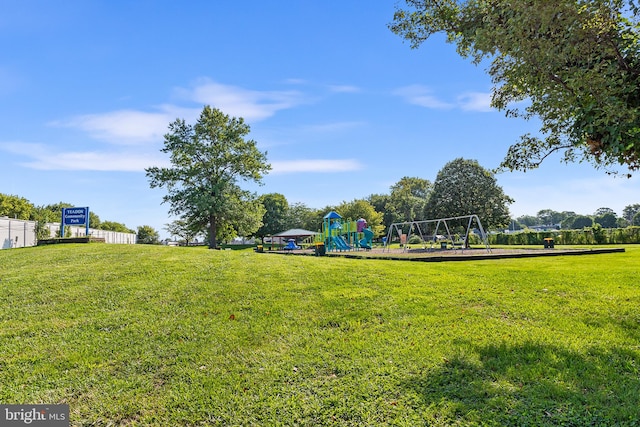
(435, 255)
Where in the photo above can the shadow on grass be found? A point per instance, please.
(532, 384)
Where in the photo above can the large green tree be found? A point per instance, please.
(245, 215)
(463, 187)
(630, 211)
(604, 210)
(580, 222)
(408, 199)
(576, 63)
(207, 161)
(275, 219)
(381, 203)
(549, 217)
(302, 216)
(528, 220)
(606, 220)
(378, 201)
(405, 202)
(147, 235)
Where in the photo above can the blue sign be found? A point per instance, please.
(75, 216)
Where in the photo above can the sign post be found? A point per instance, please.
(75, 216)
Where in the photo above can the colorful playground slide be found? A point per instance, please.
(340, 244)
(368, 237)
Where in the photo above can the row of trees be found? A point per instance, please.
(18, 207)
(605, 217)
(462, 187)
(210, 158)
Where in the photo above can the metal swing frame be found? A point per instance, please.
(421, 228)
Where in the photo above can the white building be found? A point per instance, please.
(17, 233)
(108, 236)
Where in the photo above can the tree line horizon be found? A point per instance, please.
(407, 200)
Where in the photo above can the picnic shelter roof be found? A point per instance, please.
(295, 232)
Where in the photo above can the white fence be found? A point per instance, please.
(16, 233)
(108, 236)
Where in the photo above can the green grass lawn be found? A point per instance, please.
(148, 335)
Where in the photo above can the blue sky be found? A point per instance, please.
(343, 107)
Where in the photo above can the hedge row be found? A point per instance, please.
(588, 236)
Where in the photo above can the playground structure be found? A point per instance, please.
(428, 230)
(340, 235)
(291, 245)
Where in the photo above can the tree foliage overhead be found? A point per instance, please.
(575, 62)
(207, 160)
(463, 187)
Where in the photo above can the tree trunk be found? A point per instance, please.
(213, 233)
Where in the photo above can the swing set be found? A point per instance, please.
(428, 232)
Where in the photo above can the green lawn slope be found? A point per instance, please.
(159, 336)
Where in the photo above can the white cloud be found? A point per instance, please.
(475, 101)
(252, 105)
(94, 161)
(23, 148)
(294, 81)
(334, 127)
(344, 89)
(43, 157)
(128, 126)
(315, 165)
(421, 96)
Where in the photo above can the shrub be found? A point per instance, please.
(415, 240)
(585, 236)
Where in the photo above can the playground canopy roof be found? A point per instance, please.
(295, 232)
(332, 215)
